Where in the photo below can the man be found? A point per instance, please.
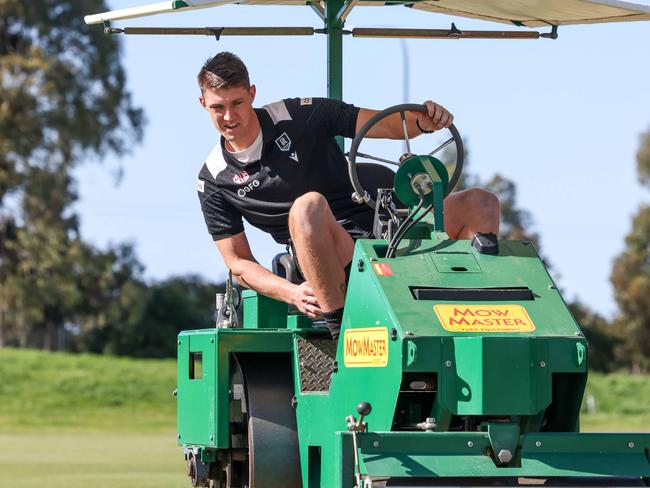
(279, 167)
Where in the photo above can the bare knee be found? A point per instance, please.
(471, 211)
(308, 213)
(481, 202)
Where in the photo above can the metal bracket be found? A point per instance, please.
(226, 306)
(217, 31)
(550, 35)
(356, 198)
(345, 10)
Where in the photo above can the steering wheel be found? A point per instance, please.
(362, 196)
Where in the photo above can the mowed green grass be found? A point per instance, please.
(97, 460)
(70, 421)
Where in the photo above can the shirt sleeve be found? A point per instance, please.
(338, 118)
(221, 217)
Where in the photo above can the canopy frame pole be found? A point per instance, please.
(334, 28)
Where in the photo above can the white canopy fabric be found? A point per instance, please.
(529, 13)
(538, 13)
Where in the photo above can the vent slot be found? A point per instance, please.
(508, 294)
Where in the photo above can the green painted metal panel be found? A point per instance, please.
(203, 404)
(262, 312)
(437, 454)
(196, 392)
(452, 262)
(493, 375)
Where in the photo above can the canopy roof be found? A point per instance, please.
(529, 13)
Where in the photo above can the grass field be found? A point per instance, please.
(69, 421)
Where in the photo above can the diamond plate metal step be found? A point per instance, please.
(316, 363)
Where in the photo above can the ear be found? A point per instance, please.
(251, 91)
(202, 101)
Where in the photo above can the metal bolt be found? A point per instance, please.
(551, 287)
(505, 456)
(212, 339)
(360, 265)
(211, 438)
(179, 341)
(578, 334)
(178, 436)
(448, 363)
(375, 443)
(409, 333)
(631, 445)
(538, 444)
(470, 444)
(372, 258)
(542, 364)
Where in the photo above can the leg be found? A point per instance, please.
(470, 211)
(323, 247)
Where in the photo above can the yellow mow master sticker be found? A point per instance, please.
(484, 318)
(366, 348)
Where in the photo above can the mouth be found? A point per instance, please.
(231, 127)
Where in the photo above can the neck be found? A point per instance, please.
(246, 141)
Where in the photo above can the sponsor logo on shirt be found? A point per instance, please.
(245, 190)
(241, 178)
(283, 142)
(294, 156)
(305, 101)
(201, 186)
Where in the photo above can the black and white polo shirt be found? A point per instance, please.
(299, 154)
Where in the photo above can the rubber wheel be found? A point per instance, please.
(273, 451)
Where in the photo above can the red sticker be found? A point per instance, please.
(382, 269)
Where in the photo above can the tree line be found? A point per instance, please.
(64, 102)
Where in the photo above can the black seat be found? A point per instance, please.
(372, 176)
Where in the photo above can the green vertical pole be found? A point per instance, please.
(334, 27)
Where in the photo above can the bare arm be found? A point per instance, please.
(237, 255)
(436, 118)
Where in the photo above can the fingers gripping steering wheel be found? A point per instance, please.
(362, 196)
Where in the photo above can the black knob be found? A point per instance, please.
(364, 408)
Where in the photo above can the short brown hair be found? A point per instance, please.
(225, 70)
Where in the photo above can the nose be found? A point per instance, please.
(227, 114)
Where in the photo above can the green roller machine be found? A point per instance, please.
(458, 363)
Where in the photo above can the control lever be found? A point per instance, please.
(354, 426)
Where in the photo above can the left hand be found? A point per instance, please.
(436, 118)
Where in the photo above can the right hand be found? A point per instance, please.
(305, 300)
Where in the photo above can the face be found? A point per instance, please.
(231, 111)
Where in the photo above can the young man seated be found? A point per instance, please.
(280, 168)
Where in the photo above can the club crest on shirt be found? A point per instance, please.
(283, 142)
(305, 101)
(200, 186)
(241, 178)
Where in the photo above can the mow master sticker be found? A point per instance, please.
(484, 318)
(366, 348)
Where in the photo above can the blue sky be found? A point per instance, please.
(561, 118)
